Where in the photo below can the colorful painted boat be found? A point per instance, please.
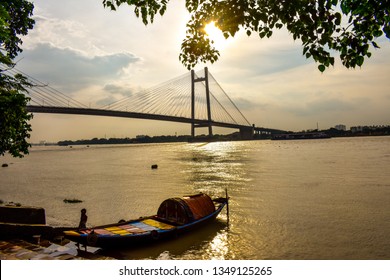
(174, 217)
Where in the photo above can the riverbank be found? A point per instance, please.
(144, 139)
(19, 249)
(24, 235)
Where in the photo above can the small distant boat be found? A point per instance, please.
(300, 136)
(174, 217)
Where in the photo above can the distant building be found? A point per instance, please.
(341, 127)
(355, 129)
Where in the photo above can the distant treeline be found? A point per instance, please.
(144, 139)
(148, 139)
(332, 132)
(355, 131)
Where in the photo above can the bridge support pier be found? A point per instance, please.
(247, 133)
(194, 80)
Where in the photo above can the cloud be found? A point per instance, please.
(320, 107)
(116, 93)
(69, 69)
(99, 56)
(116, 89)
(64, 33)
(246, 104)
(255, 57)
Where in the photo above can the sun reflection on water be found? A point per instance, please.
(218, 248)
(215, 166)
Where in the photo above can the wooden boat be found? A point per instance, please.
(174, 217)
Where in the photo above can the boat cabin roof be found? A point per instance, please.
(186, 209)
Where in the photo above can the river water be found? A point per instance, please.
(303, 199)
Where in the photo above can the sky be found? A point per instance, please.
(95, 55)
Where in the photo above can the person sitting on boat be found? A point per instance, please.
(83, 219)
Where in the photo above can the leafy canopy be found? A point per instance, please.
(15, 21)
(325, 27)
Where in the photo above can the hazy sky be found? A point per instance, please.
(93, 54)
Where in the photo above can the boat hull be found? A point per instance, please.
(146, 230)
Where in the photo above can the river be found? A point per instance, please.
(302, 199)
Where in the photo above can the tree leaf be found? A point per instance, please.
(319, 24)
(360, 60)
(321, 67)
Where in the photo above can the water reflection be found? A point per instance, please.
(289, 200)
(211, 168)
(218, 248)
(214, 166)
(203, 243)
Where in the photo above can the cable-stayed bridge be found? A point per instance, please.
(195, 98)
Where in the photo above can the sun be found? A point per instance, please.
(216, 36)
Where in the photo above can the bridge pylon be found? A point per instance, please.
(208, 123)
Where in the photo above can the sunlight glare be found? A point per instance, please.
(216, 36)
(219, 248)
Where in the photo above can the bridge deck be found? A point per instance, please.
(135, 115)
(123, 114)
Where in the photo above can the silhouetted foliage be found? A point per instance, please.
(15, 21)
(348, 27)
